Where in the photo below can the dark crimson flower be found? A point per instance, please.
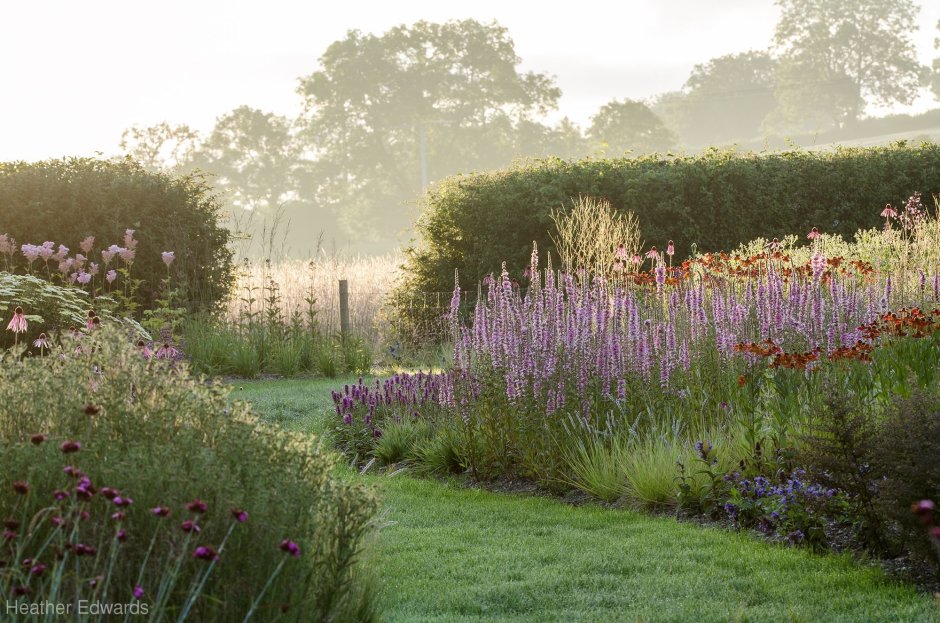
(72, 471)
(27, 562)
(923, 507)
(11, 524)
(37, 569)
(57, 521)
(84, 550)
(109, 492)
(83, 515)
(21, 590)
(239, 515)
(138, 591)
(91, 409)
(197, 506)
(9, 535)
(190, 526)
(935, 532)
(37, 439)
(122, 501)
(121, 535)
(290, 547)
(69, 447)
(160, 511)
(205, 552)
(59, 494)
(21, 487)
(119, 516)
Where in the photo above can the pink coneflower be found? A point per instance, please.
(813, 234)
(636, 259)
(41, 342)
(888, 212)
(18, 324)
(167, 351)
(110, 276)
(239, 515)
(206, 552)
(90, 319)
(168, 257)
(197, 506)
(621, 253)
(144, 349)
(670, 249)
(290, 547)
(68, 447)
(652, 253)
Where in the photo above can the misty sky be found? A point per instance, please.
(74, 75)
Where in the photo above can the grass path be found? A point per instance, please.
(449, 553)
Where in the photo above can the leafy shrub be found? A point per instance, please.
(164, 438)
(718, 200)
(49, 308)
(65, 201)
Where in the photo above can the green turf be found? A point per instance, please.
(448, 553)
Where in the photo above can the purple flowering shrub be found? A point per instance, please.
(128, 468)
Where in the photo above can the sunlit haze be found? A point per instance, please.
(75, 75)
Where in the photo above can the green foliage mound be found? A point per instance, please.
(715, 201)
(65, 201)
(163, 438)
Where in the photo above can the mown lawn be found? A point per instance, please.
(448, 553)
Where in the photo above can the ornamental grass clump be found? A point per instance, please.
(158, 489)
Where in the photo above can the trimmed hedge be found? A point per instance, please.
(716, 201)
(66, 200)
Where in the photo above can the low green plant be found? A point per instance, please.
(155, 437)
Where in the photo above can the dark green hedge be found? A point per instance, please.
(717, 201)
(66, 200)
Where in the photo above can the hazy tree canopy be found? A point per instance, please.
(728, 97)
(387, 113)
(630, 126)
(160, 147)
(936, 66)
(842, 54)
(253, 156)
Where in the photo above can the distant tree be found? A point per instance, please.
(935, 79)
(630, 126)
(160, 147)
(387, 113)
(728, 98)
(839, 55)
(253, 156)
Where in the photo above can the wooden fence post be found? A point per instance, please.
(344, 308)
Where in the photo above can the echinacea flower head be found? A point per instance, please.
(621, 253)
(167, 351)
(888, 212)
(670, 249)
(42, 341)
(168, 257)
(652, 253)
(70, 446)
(923, 507)
(813, 234)
(18, 324)
(290, 547)
(205, 552)
(240, 515)
(197, 506)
